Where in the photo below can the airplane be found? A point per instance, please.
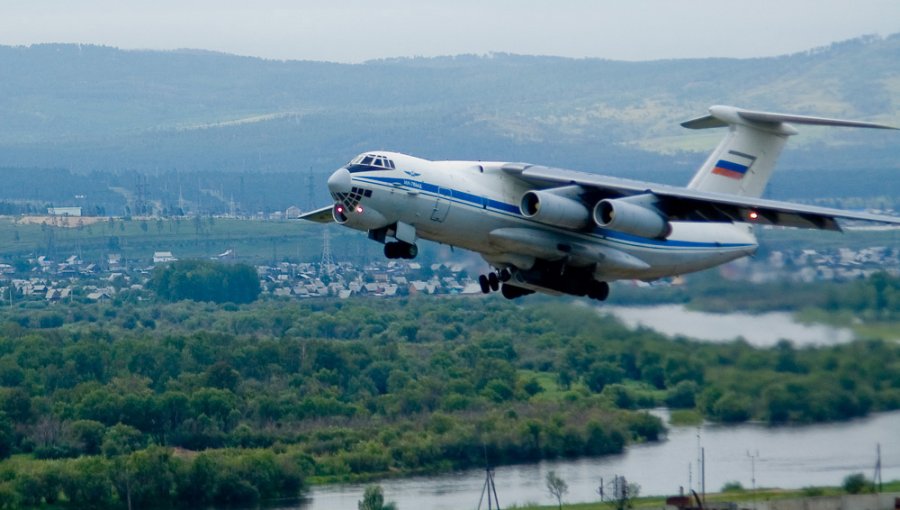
(558, 231)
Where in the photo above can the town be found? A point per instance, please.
(42, 278)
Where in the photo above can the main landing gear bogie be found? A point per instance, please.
(400, 250)
(492, 282)
(499, 280)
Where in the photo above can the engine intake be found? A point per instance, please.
(554, 209)
(624, 216)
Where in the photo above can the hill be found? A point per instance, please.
(99, 109)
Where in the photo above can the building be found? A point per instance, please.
(64, 211)
(161, 257)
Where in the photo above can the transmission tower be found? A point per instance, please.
(489, 489)
(327, 264)
(310, 196)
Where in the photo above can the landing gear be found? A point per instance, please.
(513, 292)
(400, 250)
(598, 290)
(494, 282)
(491, 281)
(484, 284)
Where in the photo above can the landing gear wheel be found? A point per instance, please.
(513, 292)
(390, 250)
(599, 291)
(509, 291)
(485, 285)
(505, 275)
(410, 251)
(494, 281)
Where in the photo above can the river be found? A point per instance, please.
(788, 457)
(761, 330)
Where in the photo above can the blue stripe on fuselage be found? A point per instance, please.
(461, 197)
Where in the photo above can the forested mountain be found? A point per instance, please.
(89, 108)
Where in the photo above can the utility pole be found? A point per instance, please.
(703, 474)
(753, 474)
(877, 478)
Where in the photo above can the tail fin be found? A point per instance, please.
(743, 162)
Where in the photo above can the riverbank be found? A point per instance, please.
(810, 498)
(793, 458)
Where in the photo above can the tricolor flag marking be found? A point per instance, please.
(734, 165)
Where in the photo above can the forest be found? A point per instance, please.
(183, 403)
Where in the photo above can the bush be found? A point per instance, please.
(732, 487)
(857, 484)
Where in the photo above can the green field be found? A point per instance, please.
(254, 241)
(258, 241)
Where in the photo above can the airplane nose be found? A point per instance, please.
(340, 181)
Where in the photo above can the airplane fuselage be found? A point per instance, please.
(476, 206)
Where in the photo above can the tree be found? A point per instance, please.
(373, 499)
(557, 487)
(857, 484)
(202, 280)
(121, 440)
(145, 478)
(602, 373)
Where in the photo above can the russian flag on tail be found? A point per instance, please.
(734, 165)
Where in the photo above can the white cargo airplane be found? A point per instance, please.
(565, 232)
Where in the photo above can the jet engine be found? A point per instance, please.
(554, 209)
(625, 216)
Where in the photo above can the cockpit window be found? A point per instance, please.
(370, 162)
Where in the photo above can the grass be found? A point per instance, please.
(137, 239)
(742, 497)
(685, 418)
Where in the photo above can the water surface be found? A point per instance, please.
(761, 330)
(788, 457)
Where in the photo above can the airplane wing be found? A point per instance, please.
(692, 205)
(322, 215)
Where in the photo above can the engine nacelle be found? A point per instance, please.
(624, 216)
(553, 209)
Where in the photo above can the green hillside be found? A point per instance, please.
(97, 108)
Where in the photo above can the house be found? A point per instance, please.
(99, 295)
(161, 257)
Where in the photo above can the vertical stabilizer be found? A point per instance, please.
(744, 160)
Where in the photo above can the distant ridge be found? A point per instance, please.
(90, 108)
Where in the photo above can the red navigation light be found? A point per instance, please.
(340, 209)
(359, 209)
(753, 215)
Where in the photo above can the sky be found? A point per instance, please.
(359, 30)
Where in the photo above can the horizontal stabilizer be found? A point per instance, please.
(722, 116)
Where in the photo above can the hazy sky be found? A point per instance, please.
(357, 30)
